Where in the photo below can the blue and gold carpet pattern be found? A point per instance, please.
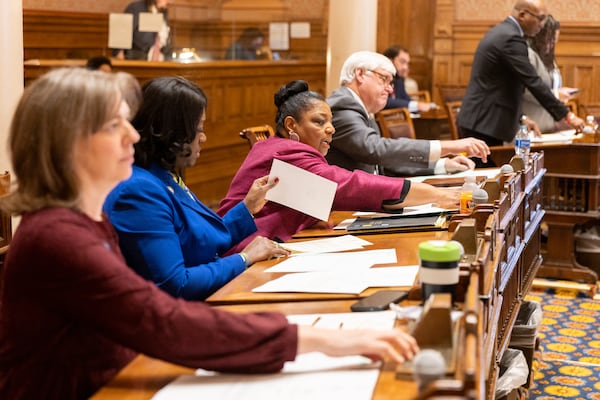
(567, 363)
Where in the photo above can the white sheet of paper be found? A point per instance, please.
(335, 261)
(328, 245)
(279, 36)
(350, 320)
(300, 30)
(120, 30)
(392, 276)
(345, 383)
(341, 280)
(312, 374)
(150, 22)
(301, 190)
(316, 282)
(488, 172)
(562, 136)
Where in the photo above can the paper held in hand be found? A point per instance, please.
(301, 190)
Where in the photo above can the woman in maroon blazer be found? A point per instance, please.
(72, 313)
(304, 133)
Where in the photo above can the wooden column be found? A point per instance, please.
(11, 69)
(352, 27)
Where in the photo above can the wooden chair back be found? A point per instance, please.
(573, 106)
(255, 134)
(395, 123)
(421, 95)
(452, 109)
(451, 92)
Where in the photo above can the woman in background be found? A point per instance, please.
(541, 56)
(72, 314)
(247, 46)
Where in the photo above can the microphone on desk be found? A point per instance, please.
(506, 169)
(428, 366)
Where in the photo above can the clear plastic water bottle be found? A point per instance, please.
(523, 143)
(466, 194)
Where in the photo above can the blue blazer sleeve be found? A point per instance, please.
(173, 239)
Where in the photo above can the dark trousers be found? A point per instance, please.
(490, 141)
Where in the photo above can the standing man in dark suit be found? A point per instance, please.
(491, 108)
(150, 46)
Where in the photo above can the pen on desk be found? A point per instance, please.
(463, 153)
(315, 321)
(341, 324)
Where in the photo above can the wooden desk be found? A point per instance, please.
(239, 290)
(498, 278)
(144, 376)
(571, 196)
(432, 124)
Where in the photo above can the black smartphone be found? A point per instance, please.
(379, 301)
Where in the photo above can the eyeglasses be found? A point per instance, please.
(385, 79)
(540, 18)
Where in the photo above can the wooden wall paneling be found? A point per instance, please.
(54, 34)
(240, 94)
(401, 22)
(61, 35)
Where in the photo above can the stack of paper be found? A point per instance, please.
(312, 375)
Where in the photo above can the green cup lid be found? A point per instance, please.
(440, 250)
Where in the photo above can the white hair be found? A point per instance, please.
(368, 60)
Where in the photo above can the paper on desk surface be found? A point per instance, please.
(335, 261)
(562, 136)
(352, 280)
(488, 172)
(302, 190)
(327, 245)
(311, 375)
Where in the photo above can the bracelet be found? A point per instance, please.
(245, 259)
(570, 117)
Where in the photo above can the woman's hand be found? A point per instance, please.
(261, 248)
(255, 199)
(392, 344)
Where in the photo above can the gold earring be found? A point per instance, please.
(294, 136)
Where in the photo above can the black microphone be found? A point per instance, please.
(428, 366)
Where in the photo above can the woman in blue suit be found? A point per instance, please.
(166, 234)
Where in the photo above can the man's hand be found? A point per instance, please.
(469, 147)
(458, 163)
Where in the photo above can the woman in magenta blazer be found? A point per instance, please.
(304, 133)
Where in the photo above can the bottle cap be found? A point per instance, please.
(440, 250)
(479, 196)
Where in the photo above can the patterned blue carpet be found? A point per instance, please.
(567, 363)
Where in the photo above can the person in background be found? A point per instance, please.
(366, 82)
(101, 63)
(150, 46)
(541, 56)
(304, 132)
(72, 313)
(247, 46)
(491, 109)
(166, 234)
(399, 97)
